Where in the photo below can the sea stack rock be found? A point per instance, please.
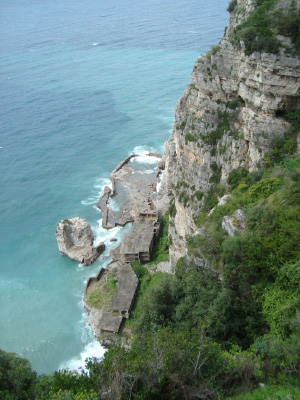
(75, 239)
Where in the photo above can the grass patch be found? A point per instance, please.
(161, 247)
(282, 392)
(102, 295)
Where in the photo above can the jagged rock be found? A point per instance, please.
(75, 239)
(222, 202)
(161, 165)
(237, 222)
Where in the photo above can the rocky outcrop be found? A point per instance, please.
(75, 239)
(237, 222)
(226, 118)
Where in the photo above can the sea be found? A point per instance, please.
(83, 84)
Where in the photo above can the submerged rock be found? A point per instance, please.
(75, 239)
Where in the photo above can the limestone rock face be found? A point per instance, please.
(75, 239)
(237, 222)
(226, 118)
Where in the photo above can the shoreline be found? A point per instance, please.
(136, 189)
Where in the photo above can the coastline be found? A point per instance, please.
(136, 188)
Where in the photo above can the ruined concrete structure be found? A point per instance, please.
(110, 320)
(136, 190)
(138, 244)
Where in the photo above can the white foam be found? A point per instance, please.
(113, 205)
(104, 235)
(149, 171)
(95, 44)
(143, 157)
(158, 185)
(97, 191)
(92, 349)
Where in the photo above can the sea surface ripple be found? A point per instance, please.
(82, 85)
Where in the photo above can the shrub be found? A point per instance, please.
(161, 246)
(237, 176)
(232, 5)
(235, 103)
(172, 208)
(190, 138)
(259, 32)
(198, 195)
(263, 188)
(214, 49)
(217, 172)
(16, 377)
(223, 126)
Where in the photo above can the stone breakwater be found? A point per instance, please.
(134, 187)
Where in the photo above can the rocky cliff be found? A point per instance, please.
(231, 112)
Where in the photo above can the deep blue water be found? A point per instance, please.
(82, 84)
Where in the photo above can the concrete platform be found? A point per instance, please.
(110, 322)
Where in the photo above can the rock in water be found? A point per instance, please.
(75, 239)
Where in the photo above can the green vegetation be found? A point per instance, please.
(172, 208)
(223, 127)
(198, 195)
(215, 178)
(184, 198)
(190, 138)
(235, 103)
(232, 5)
(259, 32)
(19, 382)
(103, 293)
(205, 333)
(16, 377)
(161, 247)
(285, 146)
(182, 125)
(213, 50)
(286, 392)
(237, 176)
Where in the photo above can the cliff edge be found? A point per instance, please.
(233, 111)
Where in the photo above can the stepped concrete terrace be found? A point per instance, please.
(134, 191)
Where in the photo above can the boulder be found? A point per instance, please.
(161, 165)
(237, 222)
(75, 239)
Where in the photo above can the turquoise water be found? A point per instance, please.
(82, 84)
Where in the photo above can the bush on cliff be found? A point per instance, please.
(259, 32)
(204, 334)
(16, 377)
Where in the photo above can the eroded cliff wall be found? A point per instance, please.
(227, 118)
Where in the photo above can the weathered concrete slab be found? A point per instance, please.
(133, 189)
(110, 322)
(127, 285)
(122, 300)
(138, 243)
